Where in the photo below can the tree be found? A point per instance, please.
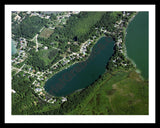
(53, 16)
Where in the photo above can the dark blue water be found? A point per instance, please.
(82, 74)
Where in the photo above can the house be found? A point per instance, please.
(53, 101)
(89, 43)
(84, 53)
(55, 67)
(17, 17)
(75, 12)
(21, 51)
(41, 93)
(124, 13)
(128, 14)
(64, 99)
(38, 89)
(114, 61)
(13, 91)
(94, 37)
(28, 12)
(37, 84)
(45, 47)
(47, 17)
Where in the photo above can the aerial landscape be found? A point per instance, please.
(79, 63)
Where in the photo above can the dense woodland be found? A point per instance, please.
(28, 27)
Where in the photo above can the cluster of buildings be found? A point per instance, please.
(83, 49)
(63, 62)
(21, 53)
(60, 18)
(39, 89)
(38, 14)
(42, 77)
(119, 43)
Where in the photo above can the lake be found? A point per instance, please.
(14, 50)
(137, 42)
(81, 75)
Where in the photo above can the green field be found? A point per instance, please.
(46, 33)
(83, 26)
(47, 55)
(122, 93)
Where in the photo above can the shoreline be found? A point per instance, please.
(69, 66)
(90, 51)
(125, 33)
(125, 49)
(78, 61)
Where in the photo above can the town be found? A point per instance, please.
(39, 78)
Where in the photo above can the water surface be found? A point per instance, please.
(82, 74)
(14, 50)
(137, 42)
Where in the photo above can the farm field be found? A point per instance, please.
(46, 32)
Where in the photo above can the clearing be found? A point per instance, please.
(46, 32)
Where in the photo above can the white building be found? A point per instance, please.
(47, 17)
(13, 91)
(38, 89)
(17, 17)
(76, 12)
(45, 47)
(64, 99)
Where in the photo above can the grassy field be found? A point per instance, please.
(122, 93)
(46, 33)
(44, 55)
(83, 25)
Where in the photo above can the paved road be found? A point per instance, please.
(36, 43)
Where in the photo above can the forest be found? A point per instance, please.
(28, 27)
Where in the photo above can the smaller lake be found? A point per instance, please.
(14, 50)
(81, 75)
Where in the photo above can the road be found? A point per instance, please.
(36, 43)
(36, 36)
(18, 69)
